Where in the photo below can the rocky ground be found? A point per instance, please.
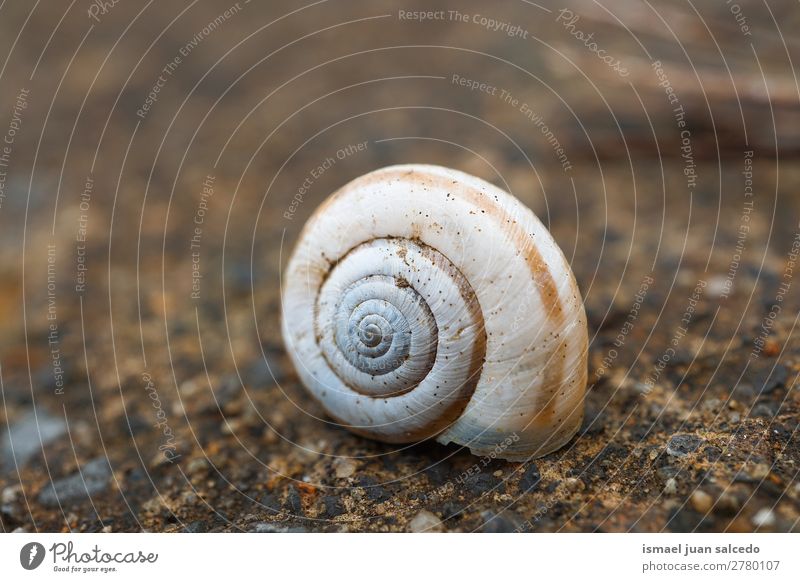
(142, 235)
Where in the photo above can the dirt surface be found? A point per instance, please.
(164, 159)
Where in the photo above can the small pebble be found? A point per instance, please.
(718, 286)
(728, 504)
(195, 527)
(25, 438)
(373, 489)
(764, 518)
(271, 502)
(333, 506)
(480, 483)
(702, 501)
(771, 378)
(759, 471)
(294, 501)
(763, 410)
(344, 467)
(671, 487)
(667, 471)
(681, 445)
(531, 479)
(425, 521)
(504, 522)
(266, 527)
(10, 494)
(93, 479)
(453, 510)
(233, 425)
(196, 465)
(771, 348)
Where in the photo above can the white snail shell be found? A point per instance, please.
(424, 302)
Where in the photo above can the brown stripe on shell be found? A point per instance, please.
(478, 355)
(548, 293)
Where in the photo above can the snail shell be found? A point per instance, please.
(423, 302)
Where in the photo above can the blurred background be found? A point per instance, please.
(159, 160)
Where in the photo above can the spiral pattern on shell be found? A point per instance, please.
(423, 302)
